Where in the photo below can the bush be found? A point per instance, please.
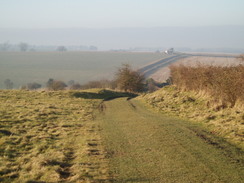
(9, 84)
(33, 86)
(226, 84)
(129, 80)
(55, 85)
(75, 86)
(152, 85)
(99, 84)
(241, 57)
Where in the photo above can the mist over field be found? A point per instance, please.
(199, 38)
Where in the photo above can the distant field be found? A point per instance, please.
(22, 68)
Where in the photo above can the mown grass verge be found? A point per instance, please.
(51, 136)
(224, 122)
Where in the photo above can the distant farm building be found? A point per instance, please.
(169, 51)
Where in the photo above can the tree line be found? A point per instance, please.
(126, 79)
(25, 47)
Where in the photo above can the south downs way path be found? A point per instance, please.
(145, 146)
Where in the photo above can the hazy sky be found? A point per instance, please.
(119, 13)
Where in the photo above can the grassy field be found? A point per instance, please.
(22, 68)
(49, 137)
(89, 136)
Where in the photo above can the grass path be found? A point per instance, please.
(143, 146)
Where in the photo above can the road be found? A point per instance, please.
(145, 146)
(150, 69)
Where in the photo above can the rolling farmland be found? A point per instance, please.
(25, 67)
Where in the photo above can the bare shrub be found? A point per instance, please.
(241, 57)
(104, 83)
(75, 86)
(225, 84)
(55, 85)
(61, 48)
(151, 85)
(129, 80)
(31, 86)
(9, 84)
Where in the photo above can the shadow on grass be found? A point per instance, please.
(104, 95)
(5, 132)
(138, 179)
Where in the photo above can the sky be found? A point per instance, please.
(122, 24)
(31, 14)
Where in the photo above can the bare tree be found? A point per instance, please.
(93, 48)
(55, 85)
(71, 82)
(23, 46)
(129, 80)
(33, 86)
(5, 46)
(61, 48)
(75, 86)
(9, 84)
(49, 82)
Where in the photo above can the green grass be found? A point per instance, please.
(227, 123)
(146, 146)
(49, 137)
(22, 68)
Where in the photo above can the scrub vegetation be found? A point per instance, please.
(224, 84)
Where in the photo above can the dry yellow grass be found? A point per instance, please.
(227, 122)
(49, 137)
